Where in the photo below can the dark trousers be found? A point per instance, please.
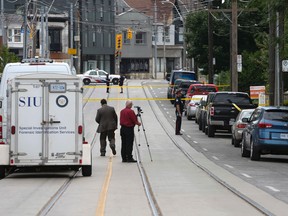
(178, 124)
(111, 137)
(127, 138)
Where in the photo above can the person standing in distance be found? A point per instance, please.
(121, 81)
(107, 119)
(107, 83)
(128, 120)
(179, 110)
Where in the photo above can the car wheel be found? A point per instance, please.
(203, 125)
(237, 143)
(86, 81)
(115, 81)
(232, 140)
(210, 131)
(244, 151)
(189, 117)
(254, 152)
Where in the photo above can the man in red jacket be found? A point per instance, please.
(128, 120)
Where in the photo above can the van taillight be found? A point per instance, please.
(1, 127)
(80, 129)
(13, 130)
(212, 111)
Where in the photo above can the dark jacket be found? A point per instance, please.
(107, 119)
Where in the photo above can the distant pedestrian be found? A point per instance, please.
(128, 120)
(107, 119)
(121, 82)
(107, 83)
(178, 111)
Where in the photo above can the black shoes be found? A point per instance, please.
(114, 151)
(132, 160)
(178, 134)
(102, 154)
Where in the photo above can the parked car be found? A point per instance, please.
(202, 103)
(200, 89)
(183, 84)
(98, 76)
(223, 109)
(266, 132)
(238, 126)
(192, 105)
(178, 74)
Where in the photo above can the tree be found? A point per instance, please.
(6, 57)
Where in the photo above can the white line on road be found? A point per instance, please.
(216, 158)
(205, 149)
(195, 141)
(272, 188)
(246, 175)
(188, 136)
(229, 166)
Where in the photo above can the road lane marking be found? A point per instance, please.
(205, 149)
(102, 199)
(216, 158)
(246, 175)
(229, 166)
(195, 142)
(272, 188)
(188, 136)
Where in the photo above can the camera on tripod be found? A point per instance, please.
(139, 110)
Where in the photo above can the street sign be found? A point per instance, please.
(285, 65)
(72, 51)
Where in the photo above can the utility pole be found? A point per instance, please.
(234, 47)
(155, 40)
(3, 23)
(210, 45)
(25, 31)
(164, 45)
(71, 34)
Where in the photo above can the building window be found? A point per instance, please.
(181, 31)
(14, 35)
(166, 34)
(125, 40)
(94, 39)
(101, 14)
(55, 39)
(140, 38)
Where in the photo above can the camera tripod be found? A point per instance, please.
(139, 111)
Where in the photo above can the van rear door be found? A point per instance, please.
(45, 114)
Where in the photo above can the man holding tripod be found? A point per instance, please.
(128, 120)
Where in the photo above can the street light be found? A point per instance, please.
(183, 22)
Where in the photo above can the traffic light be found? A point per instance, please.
(118, 42)
(129, 34)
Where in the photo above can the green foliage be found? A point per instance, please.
(6, 57)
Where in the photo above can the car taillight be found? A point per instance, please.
(212, 111)
(241, 125)
(264, 125)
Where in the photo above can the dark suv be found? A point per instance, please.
(222, 110)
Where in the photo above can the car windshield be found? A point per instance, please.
(185, 85)
(185, 75)
(276, 115)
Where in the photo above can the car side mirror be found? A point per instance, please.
(245, 120)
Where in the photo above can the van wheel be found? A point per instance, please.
(115, 81)
(87, 170)
(2, 172)
(86, 81)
